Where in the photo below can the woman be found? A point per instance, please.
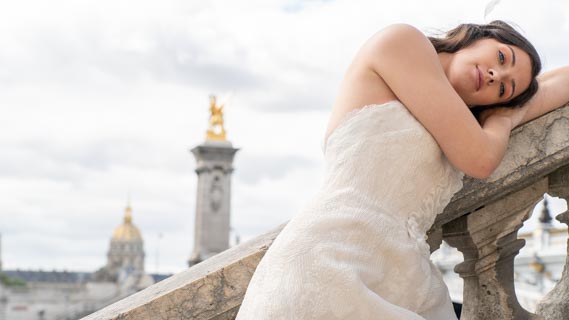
(400, 137)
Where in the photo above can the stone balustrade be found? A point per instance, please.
(481, 221)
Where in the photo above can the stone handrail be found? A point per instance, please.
(481, 221)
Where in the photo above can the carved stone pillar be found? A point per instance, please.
(488, 241)
(214, 168)
(3, 302)
(555, 305)
(3, 295)
(435, 238)
(455, 233)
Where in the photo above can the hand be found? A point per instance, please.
(515, 115)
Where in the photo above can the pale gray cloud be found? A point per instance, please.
(73, 163)
(252, 168)
(102, 98)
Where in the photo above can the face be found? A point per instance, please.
(489, 72)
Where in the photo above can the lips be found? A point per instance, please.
(478, 79)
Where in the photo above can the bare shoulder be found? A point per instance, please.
(363, 84)
(397, 36)
(397, 63)
(400, 45)
(404, 59)
(383, 61)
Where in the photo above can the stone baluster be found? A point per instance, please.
(435, 238)
(488, 241)
(456, 234)
(555, 305)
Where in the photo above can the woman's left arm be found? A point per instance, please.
(553, 93)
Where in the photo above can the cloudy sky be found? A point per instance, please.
(104, 98)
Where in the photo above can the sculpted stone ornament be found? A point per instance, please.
(216, 192)
(216, 131)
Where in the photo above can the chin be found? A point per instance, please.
(473, 102)
(468, 102)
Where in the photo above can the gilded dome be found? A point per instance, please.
(127, 231)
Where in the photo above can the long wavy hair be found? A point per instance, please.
(466, 34)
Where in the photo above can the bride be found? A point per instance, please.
(401, 135)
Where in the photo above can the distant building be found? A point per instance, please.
(63, 295)
(125, 259)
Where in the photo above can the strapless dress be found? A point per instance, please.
(357, 249)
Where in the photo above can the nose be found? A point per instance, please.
(495, 75)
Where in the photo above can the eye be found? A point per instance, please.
(501, 57)
(502, 89)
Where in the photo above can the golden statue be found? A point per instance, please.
(216, 131)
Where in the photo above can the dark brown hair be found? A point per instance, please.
(466, 34)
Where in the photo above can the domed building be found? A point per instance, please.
(55, 295)
(126, 251)
(125, 258)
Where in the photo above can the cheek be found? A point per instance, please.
(463, 78)
(489, 96)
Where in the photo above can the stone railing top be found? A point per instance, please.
(536, 149)
(214, 288)
(207, 285)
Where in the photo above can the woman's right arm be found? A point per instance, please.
(553, 93)
(405, 59)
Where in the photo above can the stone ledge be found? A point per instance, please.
(532, 154)
(214, 288)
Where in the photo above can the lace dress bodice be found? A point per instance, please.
(386, 155)
(357, 249)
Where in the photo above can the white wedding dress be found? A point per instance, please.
(357, 250)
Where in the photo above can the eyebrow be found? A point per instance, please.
(513, 89)
(513, 57)
(513, 64)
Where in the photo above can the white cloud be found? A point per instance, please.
(102, 98)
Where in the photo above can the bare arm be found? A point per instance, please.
(405, 59)
(553, 93)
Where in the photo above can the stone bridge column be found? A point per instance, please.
(488, 241)
(213, 200)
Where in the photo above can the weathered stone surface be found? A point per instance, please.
(555, 305)
(559, 183)
(536, 150)
(212, 289)
(435, 239)
(488, 240)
